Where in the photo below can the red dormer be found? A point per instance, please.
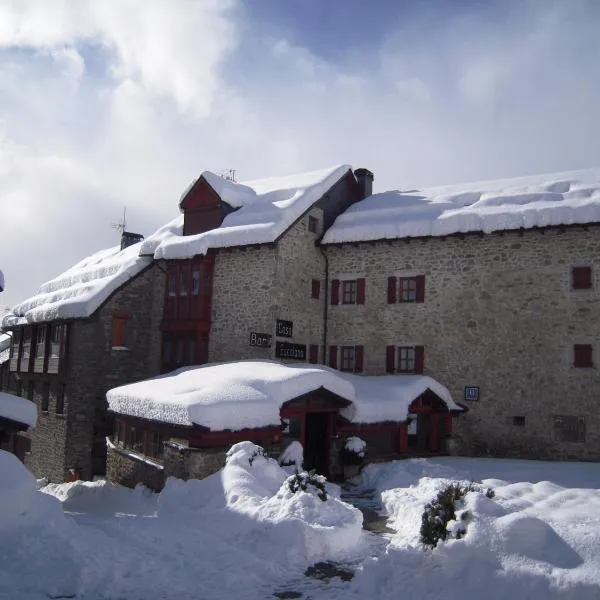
(202, 207)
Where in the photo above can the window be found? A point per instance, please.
(569, 428)
(347, 358)
(60, 400)
(195, 282)
(119, 323)
(518, 421)
(315, 289)
(40, 344)
(55, 339)
(406, 359)
(313, 224)
(14, 349)
(352, 291)
(156, 444)
(581, 278)
(30, 389)
(583, 355)
(45, 396)
(349, 291)
(19, 387)
(406, 289)
(25, 349)
(172, 283)
(134, 439)
(183, 282)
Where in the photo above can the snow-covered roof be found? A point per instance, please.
(539, 201)
(266, 208)
(78, 292)
(5, 340)
(249, 394)
(18, 409)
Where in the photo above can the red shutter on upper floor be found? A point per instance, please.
(419, 358)
(335, 291)
(313, 353)
(391, 290)
(360, 291)
(390, 359)
(315, 289)
(333, 357)
(420, 295)
(359, 352)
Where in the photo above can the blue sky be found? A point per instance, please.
(123, 102)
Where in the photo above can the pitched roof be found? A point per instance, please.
(545, 200)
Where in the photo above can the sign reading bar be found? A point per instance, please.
(285, 328)
(472, 393)
(287, 350)
(260, 339)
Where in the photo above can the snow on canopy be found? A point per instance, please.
(539, 201)
(80, 291)
(266, 208)
(249, 394)
(18, 409)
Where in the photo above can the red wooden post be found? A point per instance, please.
(403, 439)
(433, 434)
(449, 424)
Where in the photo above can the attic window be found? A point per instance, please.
(313, 224)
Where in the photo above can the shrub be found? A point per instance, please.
(303, 481)
(443, 510)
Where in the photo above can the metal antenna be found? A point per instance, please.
(122, 226)
(229, 175)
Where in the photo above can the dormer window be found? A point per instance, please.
(203, 209)
(313, 224)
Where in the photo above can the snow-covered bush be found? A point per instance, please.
(293, 455)
(308, 482)
(354, 451)
(444, 516)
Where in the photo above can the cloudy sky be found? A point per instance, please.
(106, 104)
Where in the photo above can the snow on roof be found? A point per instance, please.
(249, 394)
(5, 340)
(79, 291)
(266, 208)
(539, 201)
(18, 409)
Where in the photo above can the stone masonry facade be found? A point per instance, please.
(499, 313)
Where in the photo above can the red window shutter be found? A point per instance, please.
(581, 278)
(335, 291)
(390, 359)
(420, 296)
(118, 331)
(583, 355)
(360, 291)
(359, 352)
(315, 288)
(391, 291)
(313, 353)
(419, 358)
(333, 357)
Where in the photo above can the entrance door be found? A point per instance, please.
(423, 428)
(316, 442)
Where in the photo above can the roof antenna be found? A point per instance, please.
(229, 175)
(122, 226)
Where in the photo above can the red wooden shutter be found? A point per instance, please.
(390, 359)
(313, 353)
(335, 291)
(391, 291)
(360, 293)
(419, 358)
(420, 296)
(118, 331)
(359, 352)
(315, 288)
(581, 278)
(583, 355)
(333, 357)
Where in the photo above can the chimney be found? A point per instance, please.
(365, 181)
(128, 239)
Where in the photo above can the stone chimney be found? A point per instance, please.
(365, 181)
(128, 239)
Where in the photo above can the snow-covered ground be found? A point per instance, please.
(242, 533)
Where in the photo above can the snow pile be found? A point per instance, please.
(293, 455)
(532, 539)
(525, 202)
(266, 208)
(249, 394)
(356, 445)
(5, 340)
(36, 556)
(18, 409)
(250, 501)
(79, 291)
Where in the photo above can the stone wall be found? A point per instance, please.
(127, 469)
(499, 313)
(192, 463)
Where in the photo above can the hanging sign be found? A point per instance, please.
(287, 350)
(285, 328)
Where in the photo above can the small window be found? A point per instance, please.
(349, 291)
(30, 390)
(581, 278)
(406, 359)
(172, 285)
(156, 444)
(583, 355)
(315, 289)
(119, 323)
(518, 421)
(569, 428)
(45, 396)
(60, 400)
(195, 282)
(40, 344)
(313, 224)
(183, 282)
(407, 289)
(347, 358)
